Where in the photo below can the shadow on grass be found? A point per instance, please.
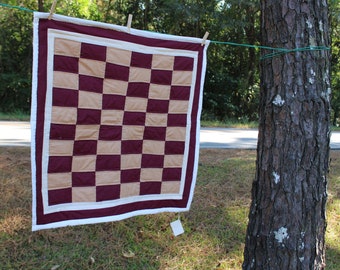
(332, 258)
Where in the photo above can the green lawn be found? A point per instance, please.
(214, 227)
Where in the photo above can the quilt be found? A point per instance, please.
(115, 121)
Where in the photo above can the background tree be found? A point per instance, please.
(287, 215)
(232, 79)
(15, 58)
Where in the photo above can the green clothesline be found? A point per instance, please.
(17, 7)
(276, 51)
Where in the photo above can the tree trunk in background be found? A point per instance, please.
(40, 5)
(287, 220)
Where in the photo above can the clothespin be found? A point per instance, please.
(205, 38)
(52, 9)
(129, 23)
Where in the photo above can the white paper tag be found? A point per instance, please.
(177, 227)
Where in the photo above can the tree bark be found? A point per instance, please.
(287, 219)
(40, 5)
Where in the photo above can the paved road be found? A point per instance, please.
(19, 134)
(15, 133)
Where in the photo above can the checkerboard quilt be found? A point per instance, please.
(115, 121)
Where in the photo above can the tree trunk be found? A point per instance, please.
(287, 222)
(40, 5)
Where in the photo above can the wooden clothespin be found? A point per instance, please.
(129, 23)
(205, 38)
(52, 11)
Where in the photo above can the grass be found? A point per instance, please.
(14, 116)
(229, 124)
(214, 227)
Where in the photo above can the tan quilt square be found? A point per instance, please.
(112, 117)
(83, 194)
(67, 47)
(170, 187)
(89, 100)
(175, 133)
(84, 163)
(135, 104)
(165, 62)
(87, 132)
(156, 119)
(183, 78)
(173, 161)
(130, 161)
(151, 174)
(59, 180)
(118, 56)
(129, 190)
(178, 106)
(107, 178)
(139, 75)
(115, 87)
(133, 132)
(153, 147)
(61, 148)
(108, 147)
(92, 67)
(64, 115)
(65, 80)
(157, 91)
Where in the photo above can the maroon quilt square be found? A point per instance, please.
(59, 164)
(150, 188)
(172, 174)
(110, 133)
(107, 193)
(183, 63)
(65, 97)
(138, 90)
(91, 84)
(161, 77)
(94, 52)
(86, 147)
(113, 102)
(60, 196)
(177, 120)
(132, 147)
(130, 176)
(62, 132)
(108, 163)
(141, 60)
(88, 117)
(174, 148)
(155, 133)
(116, 72)
(134, 118)
(66, 64)
(158, 106)
(83, 179)
(152, 161)
(180, 93)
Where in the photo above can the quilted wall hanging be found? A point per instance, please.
(115, 121)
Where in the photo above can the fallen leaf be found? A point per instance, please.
(128, 254)
(91, 260)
